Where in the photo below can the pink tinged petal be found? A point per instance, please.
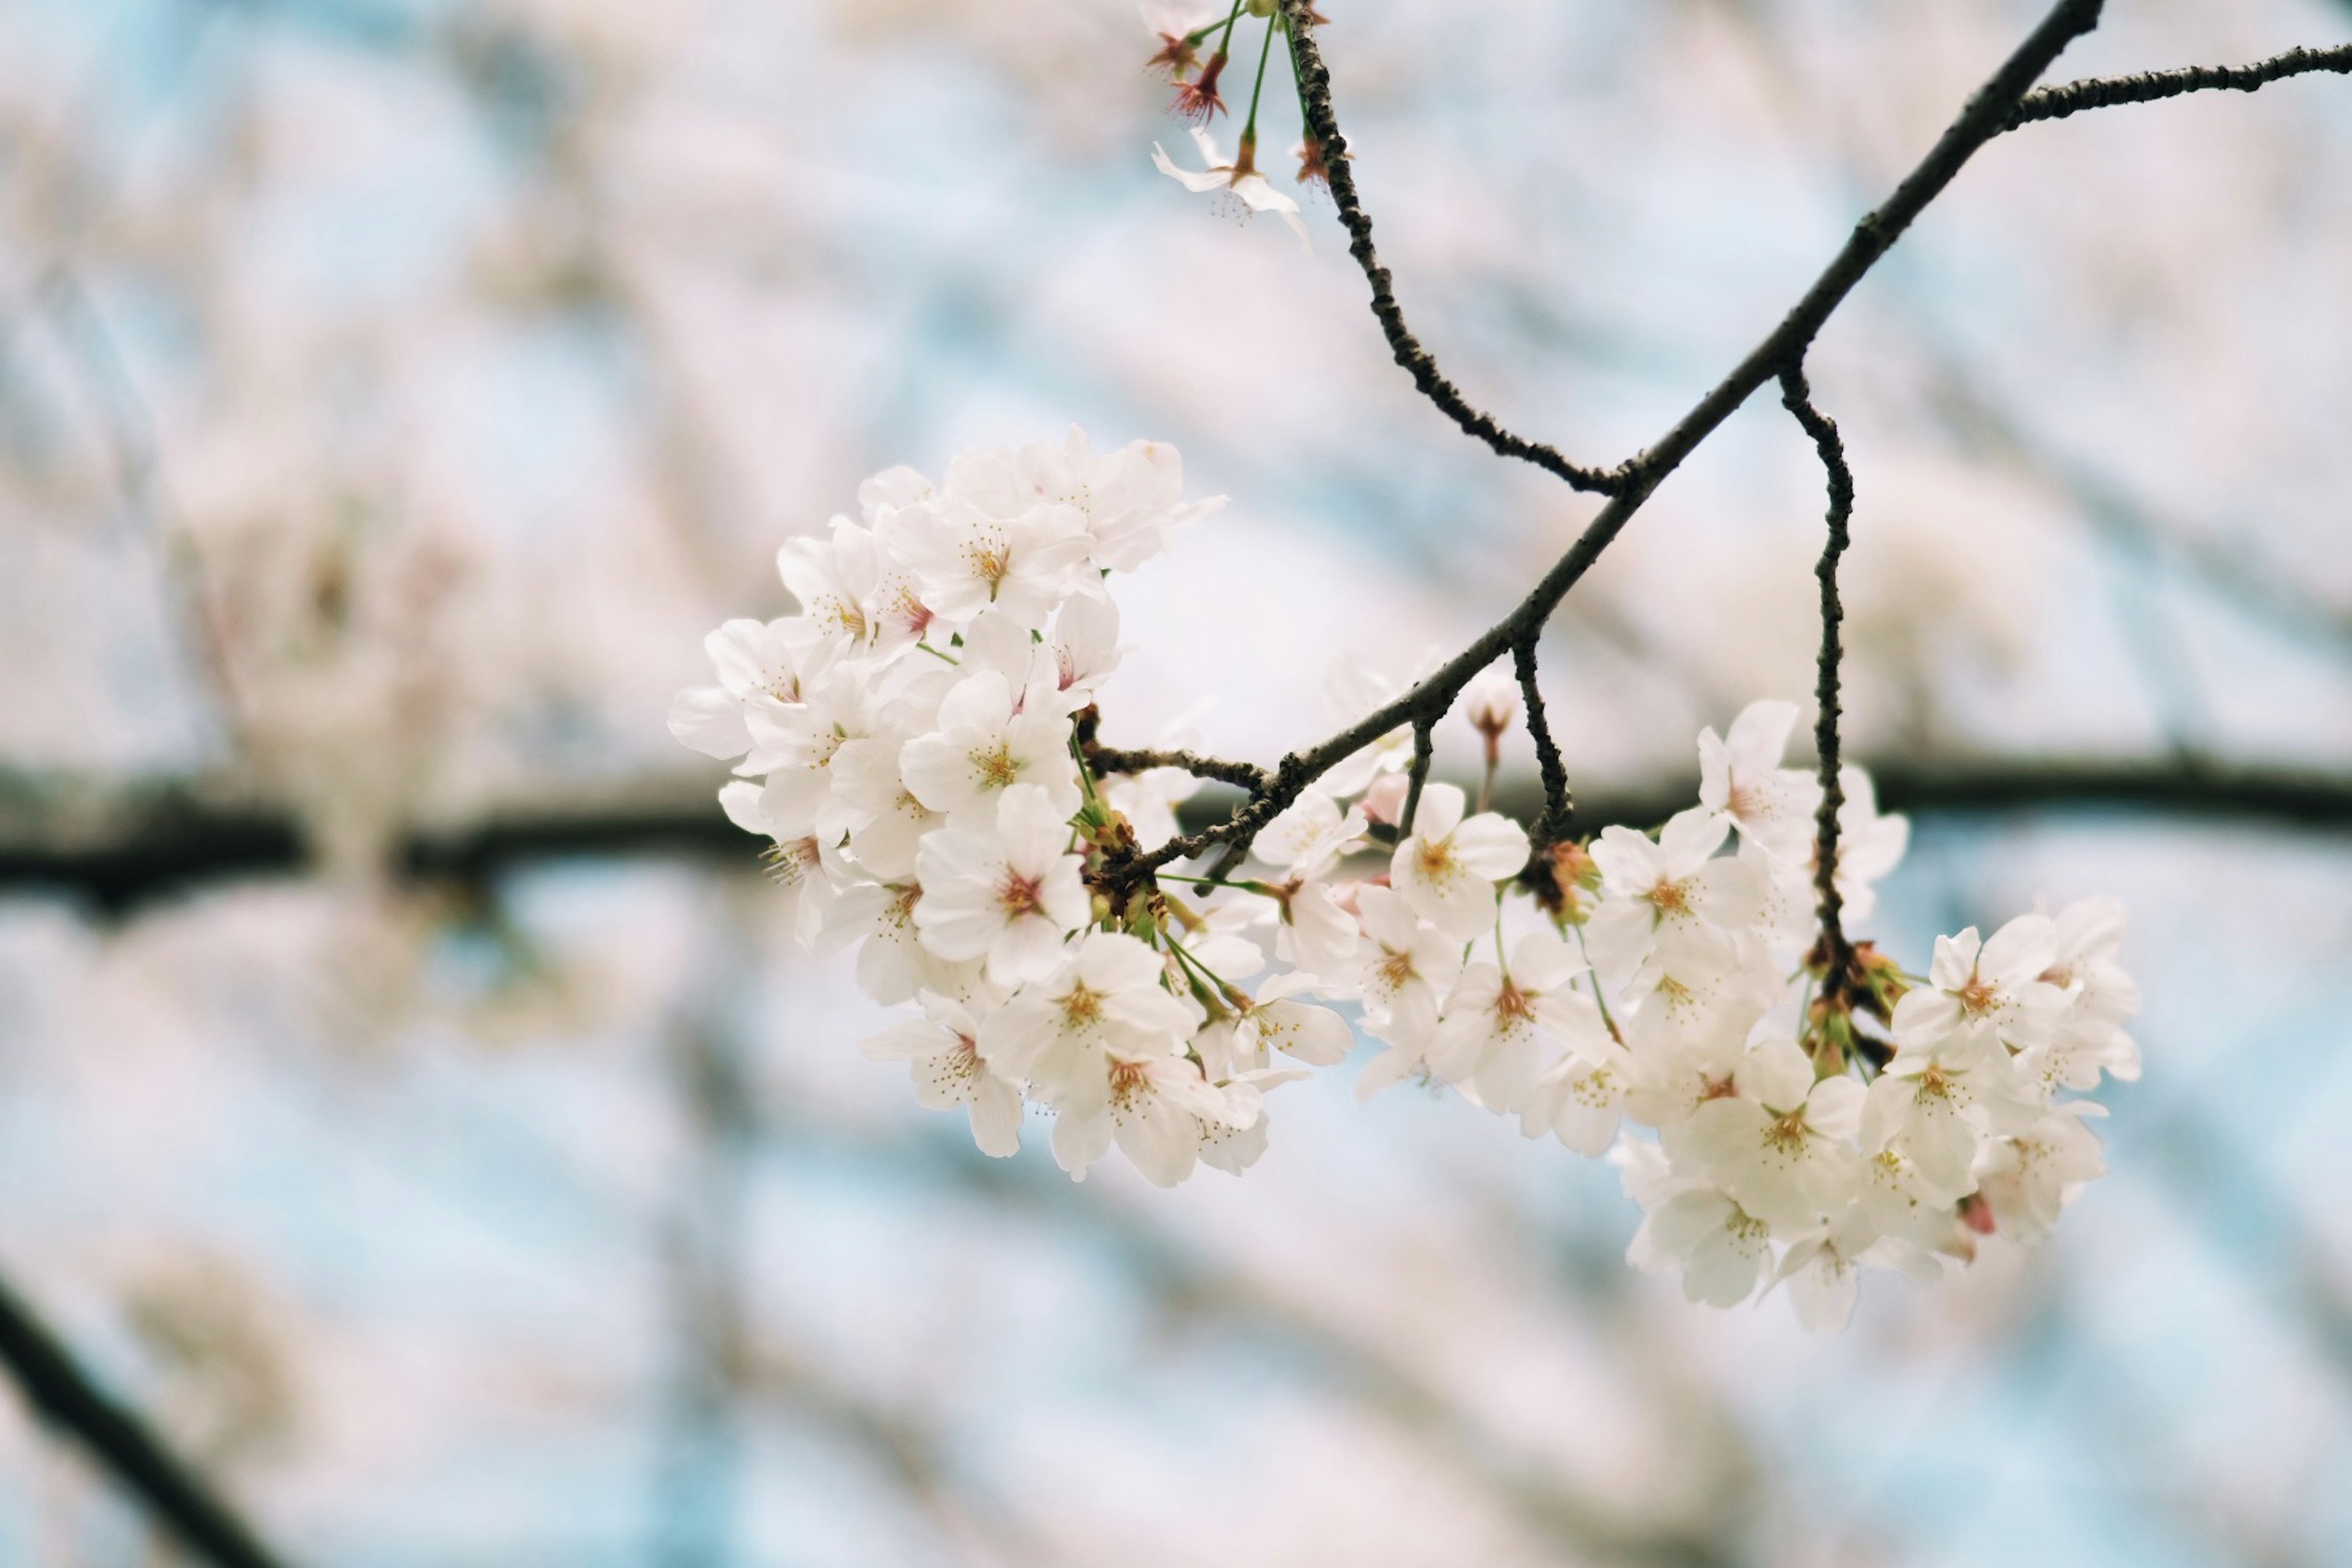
(1540, 961)
(1725, 1133)
(1440, 813)
(1393, 1066)
(709, 720)
(1162, 1141)
(1955, 963)
(905, 1041)
(938, 773)
(741, 801)
(1114, 961)
(1033, 832)
(2018, 951)
(1030, 949)
(1759, 736)
(1731, 892)
(953, 932)
(996, 1117)
(1314, 1034)
(1620, 933)
(1080, 1137)
(1688, 839)
(1491, 846)
(1063, 897)
(1777, 1073)
(1724, 1267)
(1822, 1293)
(1714, 771)
(1834, 1108)
(1631, 864)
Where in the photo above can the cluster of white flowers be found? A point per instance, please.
(915, 743)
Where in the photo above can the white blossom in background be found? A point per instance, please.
(918, 743)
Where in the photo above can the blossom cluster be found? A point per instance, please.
(918, 743)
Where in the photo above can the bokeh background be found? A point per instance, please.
(409, 1094)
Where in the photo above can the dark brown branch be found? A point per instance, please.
(1424, 744)
(1837, 953)
(137, 856)
(121, 1442)
(2149, 87)
(1984, 118)
(1322, 124)
(1241, 776)
(1559, 803)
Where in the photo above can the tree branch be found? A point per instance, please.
(121, 1443)
(1241, 776)
(1984, 117)
(1559, 803)
(140, 855)
(1837, 953)
(2148, 87)
(1315, 104)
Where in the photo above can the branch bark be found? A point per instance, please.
(2149, 87)
(121, 1442)
(1985, 116)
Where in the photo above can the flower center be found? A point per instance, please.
(788, 863)
(1395, 970)
(1126, 1081)
(1787, 1134)
(1435, 860)
(992, 561)
(1513, 1006)
(1018, 895)
(1976, 997)
(996, 766)
(1081, 1008)
(1671, 899)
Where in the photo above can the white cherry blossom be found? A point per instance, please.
(1448, 868)
(1235, 180)
(986, 745)
(1667, 888)
(1007, 890)
(942, 1049)
(1741, 777)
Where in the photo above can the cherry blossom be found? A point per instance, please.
(916, 744)
(948, 1071)
(1741, 777)
(1448, 868)
(1235, 180)
(1007, 890)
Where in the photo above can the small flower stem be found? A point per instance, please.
(1257, 89)
(1086, 774)
(1259, 888)
(1486, 784)
(1423, 743)
(935, 653)
(1599, 998)
(1234, 994)
(1231, 17)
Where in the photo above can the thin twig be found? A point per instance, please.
(1425, 742)
(1112, 760)
(1984, 118)
(2150, 87)
(1314, 103)
(58, 1388)
(1559, 803)
(1837, 953)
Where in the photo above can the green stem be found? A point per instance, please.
(1598, 996)
(935, 653)
(1231, 17)
(1257, 89)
